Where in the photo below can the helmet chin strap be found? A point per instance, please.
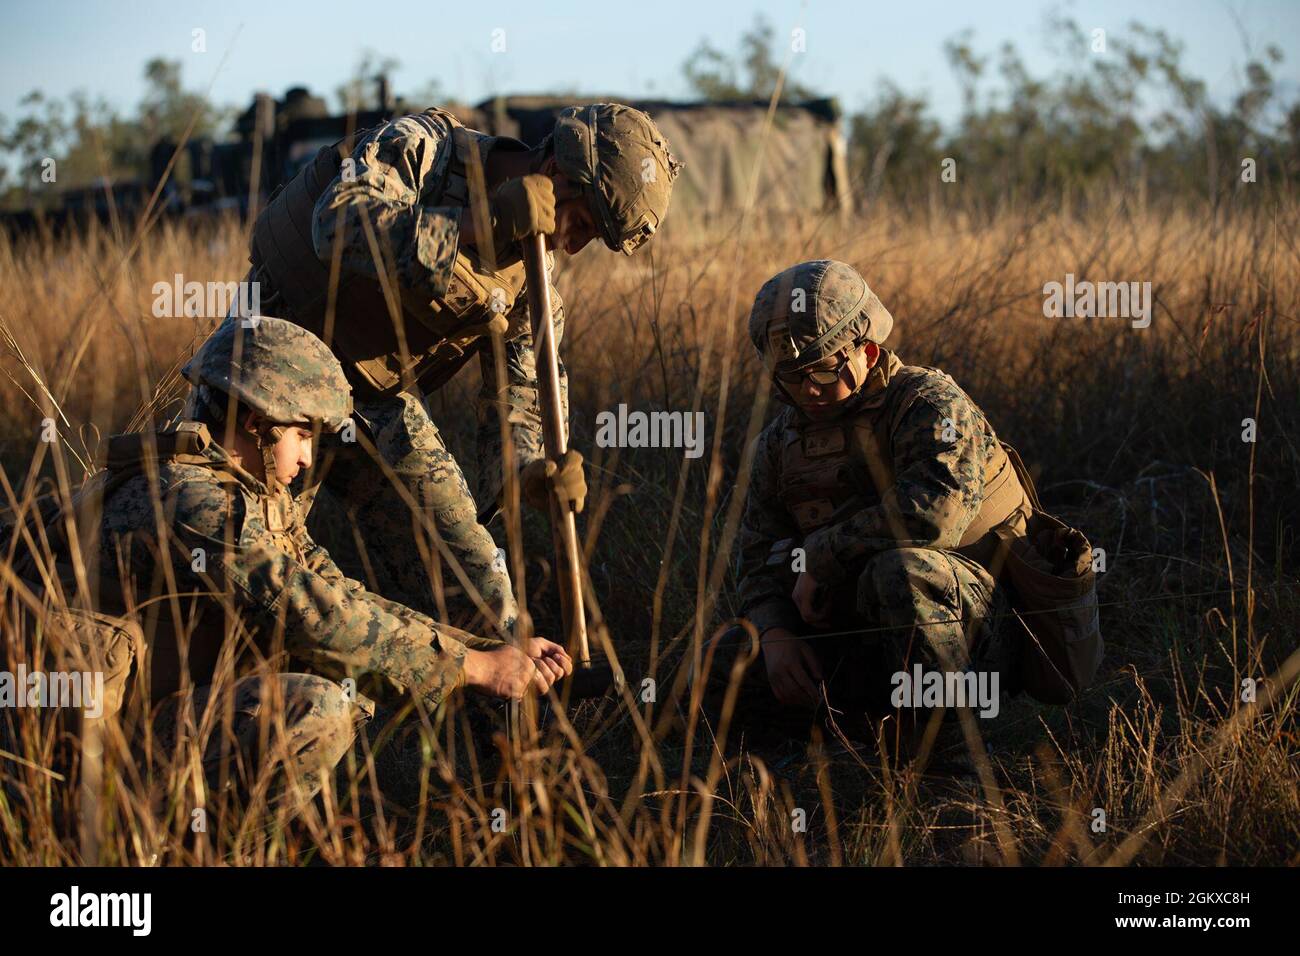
(860, 365)
(267, 437)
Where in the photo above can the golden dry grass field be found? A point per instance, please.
(1134, 436)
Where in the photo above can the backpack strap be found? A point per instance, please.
(185, 445)
(1004, 497)
(1026, 479)
(124, 459)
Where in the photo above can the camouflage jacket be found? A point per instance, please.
(407, 181)
(910, 474)
(233, 549)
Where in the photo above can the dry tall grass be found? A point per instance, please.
(1135, 436)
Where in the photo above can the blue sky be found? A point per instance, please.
(60, 46)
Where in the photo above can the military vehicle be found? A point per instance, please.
(803, 169)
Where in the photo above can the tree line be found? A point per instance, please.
(1128, 115)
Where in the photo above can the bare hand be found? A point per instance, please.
(550, 657)
(810, 598)
(793, 670)
(505, 672)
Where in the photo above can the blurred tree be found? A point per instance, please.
(751, 74)
(895, 125)
(1128, 117)
(167, 109)
(422, 97)
(362, 89)
(30, 139)
(89, 140)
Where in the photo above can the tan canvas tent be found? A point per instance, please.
(803, 168)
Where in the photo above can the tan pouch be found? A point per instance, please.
(92, 643)
(1049, 571)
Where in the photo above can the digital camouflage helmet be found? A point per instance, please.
(278, 369)
(811, 311)
(619, 158)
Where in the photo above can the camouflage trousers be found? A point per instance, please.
(378, 518)
(276, 735)
(908, 606)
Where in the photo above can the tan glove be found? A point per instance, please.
(522, 207)
(567, 481)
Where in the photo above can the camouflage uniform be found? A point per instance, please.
(399, 201)
(892, 503)
(243, 581)
(319, 725)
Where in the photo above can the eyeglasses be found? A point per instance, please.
(818, 376)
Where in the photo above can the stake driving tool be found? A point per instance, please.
(591, 676)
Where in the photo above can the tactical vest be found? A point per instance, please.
(831, 470)
(386, 345)
(127, 457)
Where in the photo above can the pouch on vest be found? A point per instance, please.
(1054, 591)
(88, 642)
(443, 332)
(88, 700)
(90, 659)
(71, 639)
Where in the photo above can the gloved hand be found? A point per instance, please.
(567, 481)
(522, 207)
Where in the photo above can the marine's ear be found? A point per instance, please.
(862, 359)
